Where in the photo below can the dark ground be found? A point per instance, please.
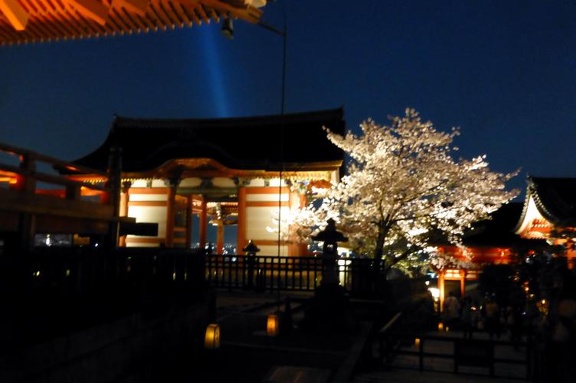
(302, 355)
(247, 354)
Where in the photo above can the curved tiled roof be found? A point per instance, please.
(38, 21)
(555, 199)
(271, 143)
(498, 230)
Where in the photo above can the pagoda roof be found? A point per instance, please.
(291, 142)
(498, 230)
(495, 231)
(41, 21)
(555, 199)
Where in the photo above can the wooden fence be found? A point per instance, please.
(450, 352)
(272, 273)
(53, 290)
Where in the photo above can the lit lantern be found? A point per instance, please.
(440, 326)
(417, 342)
(212, 337)
(272, 325)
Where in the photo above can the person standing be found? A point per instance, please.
(452, 310)
(562, 345)
(492, 318)
(514, 324)
(468, 317)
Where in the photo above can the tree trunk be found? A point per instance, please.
(379, 249)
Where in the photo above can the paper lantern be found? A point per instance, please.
(272, 325)
(212, 337)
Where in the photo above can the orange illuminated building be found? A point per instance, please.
(490, 242)
(185, 175)
(550, 213)
(547, 217)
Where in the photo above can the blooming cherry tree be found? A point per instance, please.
(403, 190)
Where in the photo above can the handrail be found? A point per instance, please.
(36, 198)
(22, 169)
(390, 323)
(14, 150)
(487, 357)
(387, 345)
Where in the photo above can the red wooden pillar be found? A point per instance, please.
(441, 290)
(241, 240)
(462, 282)
(169, 236)
(189, 223)
(220, 237)
(203, 224)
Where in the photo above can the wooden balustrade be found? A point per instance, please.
(36, 198)
(32, 172)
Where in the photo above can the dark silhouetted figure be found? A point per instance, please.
(452, 311)
(468, 317)
(492, 318)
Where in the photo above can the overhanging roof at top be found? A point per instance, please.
(555, 199)
(498, 230)
(289, 142)
(35, 21)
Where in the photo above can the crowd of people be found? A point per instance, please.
(546, 323)
(551, 324)
(486, 315)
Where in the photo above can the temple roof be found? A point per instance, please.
(498, 231)
(291, 142)
(37, 21)
(555, 199)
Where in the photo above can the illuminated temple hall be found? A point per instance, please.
(490, 242)
(245, 172)
(546, 217)
(550, 212)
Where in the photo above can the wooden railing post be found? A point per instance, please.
(26, 184)
(114, 189)
(25, 180)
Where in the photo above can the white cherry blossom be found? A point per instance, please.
(404, 191)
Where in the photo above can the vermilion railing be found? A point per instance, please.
(30, 172)
(36, 199)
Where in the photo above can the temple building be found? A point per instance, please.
(248, 173)
(546, 218)
(549, 213)
(489, 242)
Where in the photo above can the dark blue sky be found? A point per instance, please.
(504, 72)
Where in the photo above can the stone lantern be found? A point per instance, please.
(329, 308)
(331, 237)
(251, 249)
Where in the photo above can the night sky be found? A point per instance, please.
(504, 72)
